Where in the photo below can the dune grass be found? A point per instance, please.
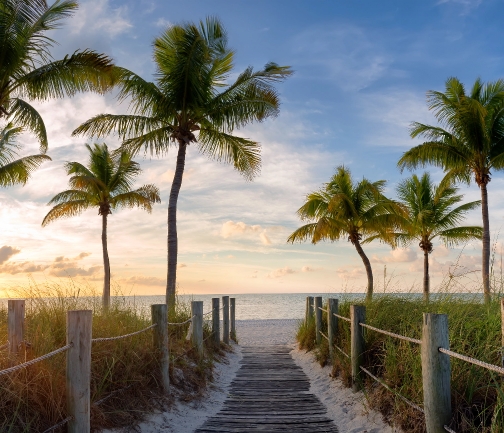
(124, 373)
(475, 330)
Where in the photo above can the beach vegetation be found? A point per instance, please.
(105, 183)
(468, 143)
(345, 208)
(430, 214)
(192, 101)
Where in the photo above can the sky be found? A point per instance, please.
(362, 70)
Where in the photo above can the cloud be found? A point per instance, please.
(399, 255)
(281, 272)
(97, 16)
(240, 229)
(351, 272)
(146, 281)
(162, 22)
(181, 265)
(307, 269)
(6, 252)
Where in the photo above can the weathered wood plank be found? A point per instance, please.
(270, 394)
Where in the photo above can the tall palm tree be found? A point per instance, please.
(192, 102)
(105, 183)
(15, 171)
(345, 208)
(469, 143)
(430, 213)
(27, 70)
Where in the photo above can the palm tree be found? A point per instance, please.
(105, 183)
(27, 69)
(345, 208)
(430, 213)
(15, 171)
(192, 102)
(469, 142)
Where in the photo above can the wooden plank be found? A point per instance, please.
(270, 393)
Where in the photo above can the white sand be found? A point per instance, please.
(348, 410)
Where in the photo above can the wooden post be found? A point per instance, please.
(159, 315)
(318, 318)
(332, 323)
(502, 332)
(233, 319)
(78, 370)
(436, 374)
(358, 344)
(309, 309)
(15, 326)
(216, 321)
(197, 322)
(225, 319)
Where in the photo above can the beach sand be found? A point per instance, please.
(348, 410)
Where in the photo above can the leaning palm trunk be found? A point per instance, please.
(426, 278)
(172, 226)
(486, 243)
(106, 265)
(369, 270)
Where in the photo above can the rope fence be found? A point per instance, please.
(120, 337)
(79, 331)
(391, 334)
(323, 335)
(342, 351)
(60, 424)
(342, 317)
(465, 358)
(35, 360)
(382, 383)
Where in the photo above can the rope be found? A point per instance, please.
(210, 312)
(342, 351)
(448, 429)
(34, 361)
(181, 323)
(5, 346)
(342, 317)
(413, 405)
(60, 424)
(94, 340)
(322, 309)
(323, 335)
(391, 334)
(486, 365)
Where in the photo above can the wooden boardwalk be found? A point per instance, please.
(270, 393)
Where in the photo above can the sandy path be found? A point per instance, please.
(348, 410)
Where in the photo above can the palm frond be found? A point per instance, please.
(65, 210)
(20, 170)
(24, 115)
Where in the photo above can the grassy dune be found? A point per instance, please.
(475, 330)
(124, 372)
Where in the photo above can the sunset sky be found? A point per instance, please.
(362, 69)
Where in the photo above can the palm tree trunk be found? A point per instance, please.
(369, 270)
(106, 265)
(172, 226)
(486, 243)
(426, 278)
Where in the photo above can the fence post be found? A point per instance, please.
(233, 319)
(225, 319)
(159, 315)
(309, 309)
(332, 323)
(216, 321)
(436, 372)
(78, 370)
(197, 322)
(358, 344)
(318, 318)
(15, 326)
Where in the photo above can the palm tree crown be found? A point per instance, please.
(27, 70)
(469, 143)
(345, 208)
(192, 102)
(105, 183)
(12, 170)
(430, 213)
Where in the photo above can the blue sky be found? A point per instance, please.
(361, 72)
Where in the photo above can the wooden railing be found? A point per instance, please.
(435, 356)
(79, 342)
